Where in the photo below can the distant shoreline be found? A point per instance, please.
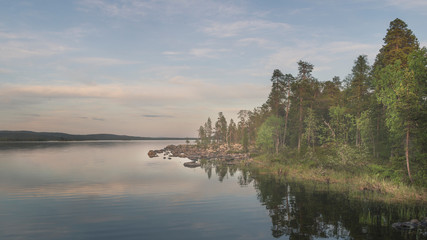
(30, 136)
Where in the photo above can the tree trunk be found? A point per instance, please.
(332, 130)
(286, 128)
(286, 122)
(407, 153)
(300, 125)
(378, 135)
(373, 143)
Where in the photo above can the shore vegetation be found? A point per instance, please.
(367, 132)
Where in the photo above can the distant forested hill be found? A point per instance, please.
(55, 136)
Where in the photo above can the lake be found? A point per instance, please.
(112, 190)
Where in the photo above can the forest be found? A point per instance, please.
(373, 120)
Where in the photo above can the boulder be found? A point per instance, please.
(152, 154)
(191, 164)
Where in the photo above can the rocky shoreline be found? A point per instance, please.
(229, 154)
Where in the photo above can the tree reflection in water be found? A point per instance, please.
(300, 211)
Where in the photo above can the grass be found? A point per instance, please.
(359, 184)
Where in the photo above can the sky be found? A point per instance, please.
(162, 67)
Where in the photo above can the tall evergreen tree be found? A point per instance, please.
(399, 42)
(302, 94)
(287, 85)
(221, 128)
(395, 83)
(202, 135)
(232, 132)
(358, 90)
(276, 95)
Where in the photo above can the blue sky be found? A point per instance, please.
(161, 68)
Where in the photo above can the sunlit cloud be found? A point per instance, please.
(107, 91)
(16, 49)
(182, 90)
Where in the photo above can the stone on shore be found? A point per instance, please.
(227, 153)
(152, 154)
(191, 164)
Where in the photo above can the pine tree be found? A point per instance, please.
(358, 90)
(399, 42)
(276, 95)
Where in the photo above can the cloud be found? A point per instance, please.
(124, 9)
(223, 30)
(408, 4)
(198, 52)
(76, 33)
(125, 108)
(171, 53)
(99, 61)
(176, 90)
(325, 56)
(26, 45)
(98, 119)
(207, 52)
(106, 91)
(262, 42)
(19, 49)
(347, 46)
(156, 116)
(31, 114)
(133, 9)
(5, 71)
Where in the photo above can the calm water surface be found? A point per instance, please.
(112, 190)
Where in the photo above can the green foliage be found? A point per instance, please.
(399, 42)
(276, 96)
(367, 129)
(378, 115)
(342, 123)
(268, 134)
(232, 132)
(208, 131)
(221, 128)
(311, 127)
(346, 158)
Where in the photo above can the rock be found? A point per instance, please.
(152, 154)
(193, 157)
(414, 223)
(191, 164)
(403, 226)
(226, 153)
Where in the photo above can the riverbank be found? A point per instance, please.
(358, 184)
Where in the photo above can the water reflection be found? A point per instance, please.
(112, 190)
(300, 211)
